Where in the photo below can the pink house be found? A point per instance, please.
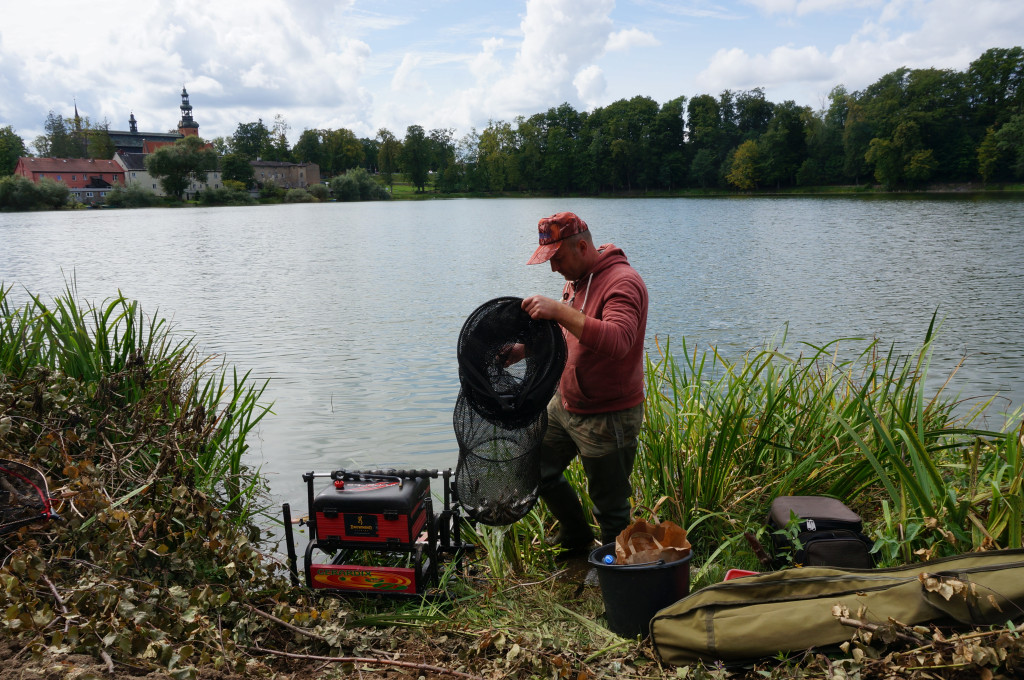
(88, 179)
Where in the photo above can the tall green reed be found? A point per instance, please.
(847, 418)
(721, 438)
(197, 414)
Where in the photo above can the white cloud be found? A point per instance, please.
(804, 7)
(485, 65)
(693, 9)
(630, 37)
(740, 70)
(404, 72)
(364, 65)
(915, 34)
(561, 38)
(590, 85)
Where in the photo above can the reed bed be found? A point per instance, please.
(723, 437)
(176, 410)
(850, 419)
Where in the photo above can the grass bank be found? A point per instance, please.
(159, 564)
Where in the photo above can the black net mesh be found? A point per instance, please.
(498, 475)
(512, 394)
(509, 366)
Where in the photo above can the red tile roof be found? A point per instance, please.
(82, 165)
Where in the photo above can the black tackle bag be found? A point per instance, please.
(827, 533)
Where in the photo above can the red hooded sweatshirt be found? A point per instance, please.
(605, 366)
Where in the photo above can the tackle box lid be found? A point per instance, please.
(373, 495)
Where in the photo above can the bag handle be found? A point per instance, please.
(653, 513)
(633, 550)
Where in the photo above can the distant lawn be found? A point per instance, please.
(403, 190)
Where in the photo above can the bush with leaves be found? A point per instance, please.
(358, 185)
(270, 191)
(298, 196)
(226, 196)
(156, 560)
(21, 193)
(319, 191)
(131, 196)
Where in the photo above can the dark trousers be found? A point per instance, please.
(607, 445)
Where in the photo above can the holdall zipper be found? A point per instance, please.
(822, 524)
(832, 524)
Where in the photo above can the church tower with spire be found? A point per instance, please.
(187, 127)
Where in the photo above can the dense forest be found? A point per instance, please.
(910, 128)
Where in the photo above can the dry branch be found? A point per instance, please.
(367, 660)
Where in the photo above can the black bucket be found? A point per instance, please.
(634, 593)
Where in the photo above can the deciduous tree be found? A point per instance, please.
(743, 173)
(1010, 141)
(416, 157)
(99, 143)
(12, 147)
(342, 150)
(59, 140)
(388, 154)
(251, 140)
(178, 164)
(236, 167)
(309, 148)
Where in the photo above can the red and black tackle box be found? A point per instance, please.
(376, 532)
(371, 512)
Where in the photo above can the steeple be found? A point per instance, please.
(187, 126)
(133, 125)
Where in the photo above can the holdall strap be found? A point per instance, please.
(966, 601)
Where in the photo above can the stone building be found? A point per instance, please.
(285, 175)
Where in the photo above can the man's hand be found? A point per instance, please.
(540, 307)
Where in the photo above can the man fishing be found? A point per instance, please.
(598, 408)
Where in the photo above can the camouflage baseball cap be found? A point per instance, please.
(552, 231)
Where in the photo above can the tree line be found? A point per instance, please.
(909, 128)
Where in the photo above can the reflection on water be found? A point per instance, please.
(352, 310)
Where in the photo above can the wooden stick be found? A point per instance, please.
(110, 662)
(357, 659)
(758, 549)
(857, 623)
(294, 629)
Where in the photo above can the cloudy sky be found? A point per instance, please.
(365, 65)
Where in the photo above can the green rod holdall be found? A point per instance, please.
(746, 619)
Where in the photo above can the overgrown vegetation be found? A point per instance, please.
(358, 185)
(131, 196)
(21, 193)
(226, 195)
(159, 561)
(722, 438)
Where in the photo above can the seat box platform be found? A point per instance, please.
(371, 511)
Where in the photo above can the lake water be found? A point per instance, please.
(353, 310)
